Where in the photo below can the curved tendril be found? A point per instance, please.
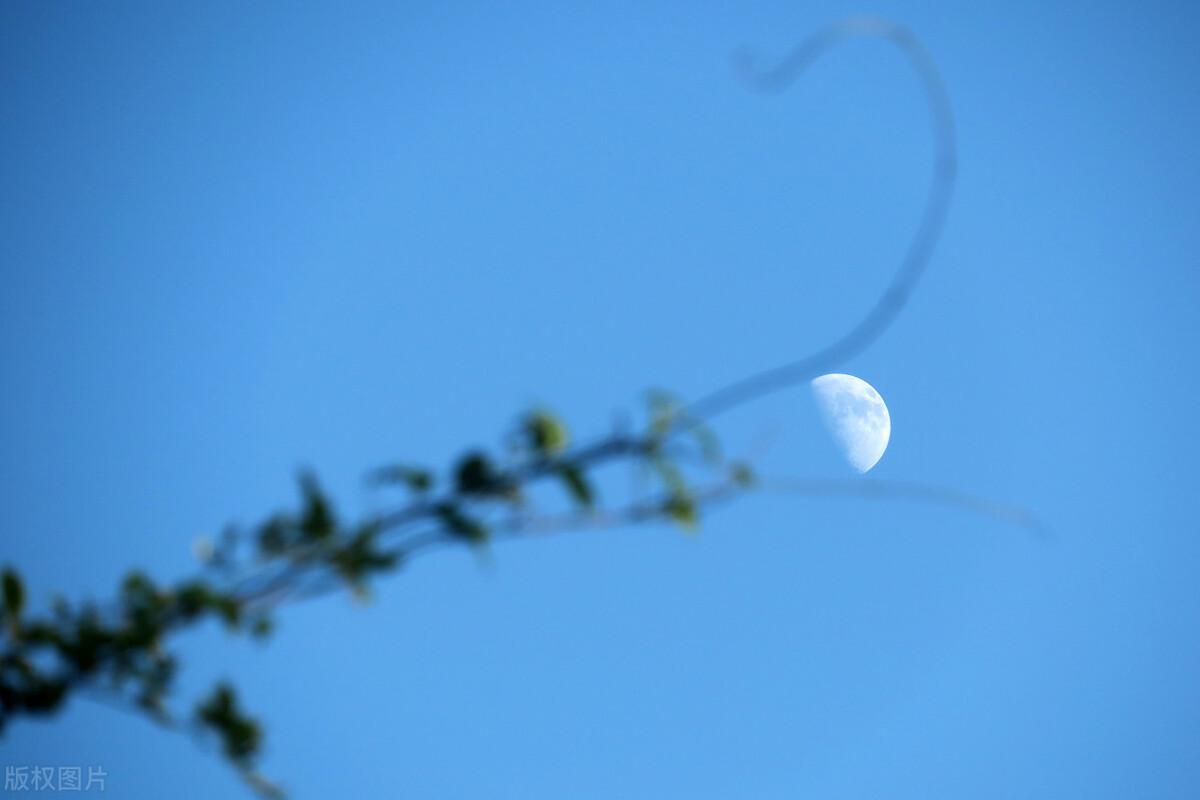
(893, 298)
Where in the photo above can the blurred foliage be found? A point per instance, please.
(119, 651)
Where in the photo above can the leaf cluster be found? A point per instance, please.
(121, 651)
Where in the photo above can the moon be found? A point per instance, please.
(855, 416)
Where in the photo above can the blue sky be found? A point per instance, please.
(240, 239)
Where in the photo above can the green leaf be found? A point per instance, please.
(317, 521)
(415, 478)
(576, 484)
(545, 433)
(14, 596)
(671, 475)
(138, 589)
(90, 640)
(192, 598)
(462, 525)
(228, 608)
(240, 735)
(361, 556)
(275, 535)
(476, 475)
(682, 509)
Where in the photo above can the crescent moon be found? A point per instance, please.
(855, 416)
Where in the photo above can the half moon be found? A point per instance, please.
(855, 416)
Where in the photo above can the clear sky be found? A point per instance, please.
(240, 238)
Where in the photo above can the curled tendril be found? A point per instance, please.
(881, 315)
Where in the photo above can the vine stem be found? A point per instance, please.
(920, 249)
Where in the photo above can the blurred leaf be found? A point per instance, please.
(671, 475)
(138, 589)
(576, 484)
(240, 735)
(476, 475)
(156, 678)
(21, 687)
(680, 504)
(317, 520)
(14, 598)
(360, 557)
(545, 433)
(87, 642)
(196, 597)
(415, 478)
(682, 509)
(229, 609)
(42, 633)
(275, 535)
(191, 599)
(462, 525)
